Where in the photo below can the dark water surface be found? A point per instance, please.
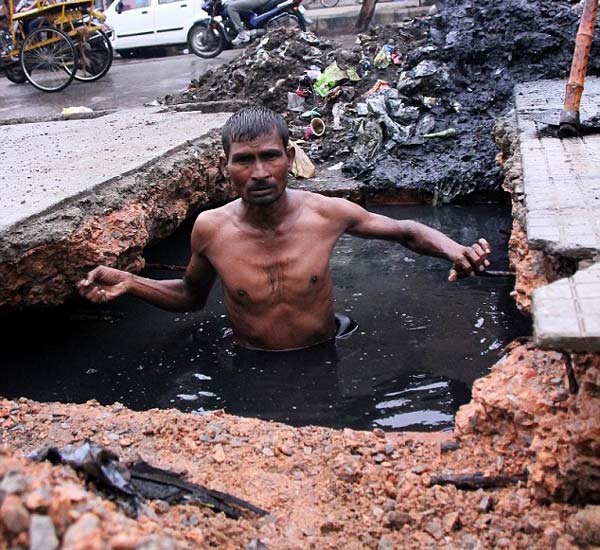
(420, 345)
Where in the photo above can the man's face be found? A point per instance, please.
(258, 169)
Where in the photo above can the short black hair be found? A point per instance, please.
(251, 122)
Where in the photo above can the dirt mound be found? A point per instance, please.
(264, 72)
(324, 489)
(428, 130)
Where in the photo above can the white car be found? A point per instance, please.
(150, 23)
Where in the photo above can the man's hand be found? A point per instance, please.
(470, 260)
(103, 284)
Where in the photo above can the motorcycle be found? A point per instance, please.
(209, 37)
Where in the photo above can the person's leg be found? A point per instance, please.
(235, 7)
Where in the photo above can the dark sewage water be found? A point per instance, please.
(420, 344)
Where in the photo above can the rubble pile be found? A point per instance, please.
(525, 404)
(324, 488)
(411, 107)
(263, 73)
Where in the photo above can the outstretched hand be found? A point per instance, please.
(103, 284)
(470, 260)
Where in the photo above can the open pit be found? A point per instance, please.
(532, 424)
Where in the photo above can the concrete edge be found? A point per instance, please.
(64, 217)
(56, 118)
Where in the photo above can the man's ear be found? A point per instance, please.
(223, 164)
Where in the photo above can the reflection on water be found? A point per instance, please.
(420, 344)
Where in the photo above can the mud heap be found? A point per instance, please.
(426, 129)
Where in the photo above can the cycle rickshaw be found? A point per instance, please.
(54, 43)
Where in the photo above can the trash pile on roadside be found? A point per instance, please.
(411, 106)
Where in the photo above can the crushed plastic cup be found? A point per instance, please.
(318, 126)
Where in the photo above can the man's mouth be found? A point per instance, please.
(260, 190)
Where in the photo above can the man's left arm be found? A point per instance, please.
(417, 237)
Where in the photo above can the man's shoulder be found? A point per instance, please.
(217, 216)
(322, 204)
(312, 199)
(209, 222)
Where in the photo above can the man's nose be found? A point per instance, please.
(261, 170)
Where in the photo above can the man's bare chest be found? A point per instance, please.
(263, 269)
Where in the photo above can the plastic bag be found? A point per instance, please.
(295, 102)
(330, 77)
(384, 57)
(302, 167)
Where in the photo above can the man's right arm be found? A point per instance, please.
(190, 293)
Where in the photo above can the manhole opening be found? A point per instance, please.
(420, 345)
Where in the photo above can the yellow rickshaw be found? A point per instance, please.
(54, 42)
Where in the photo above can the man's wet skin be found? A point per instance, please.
(271, 249)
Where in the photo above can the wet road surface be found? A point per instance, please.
(128, 84)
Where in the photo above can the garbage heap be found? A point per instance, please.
(411, 107)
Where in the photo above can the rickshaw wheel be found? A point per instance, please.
(95, 56)
(15, 74)
(48, 59)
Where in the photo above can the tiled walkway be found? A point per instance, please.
(562, 197)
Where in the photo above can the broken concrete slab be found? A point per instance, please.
(55, 161)
(561, 186)
(567, 312)
(561, 176)
(95, 202)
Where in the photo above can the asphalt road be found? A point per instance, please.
(128, 84)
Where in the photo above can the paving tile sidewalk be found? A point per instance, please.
(562, 198)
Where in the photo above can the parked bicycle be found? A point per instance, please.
(54, 43)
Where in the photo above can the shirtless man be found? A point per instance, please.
(271, 247)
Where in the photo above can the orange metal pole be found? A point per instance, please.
(583, 44)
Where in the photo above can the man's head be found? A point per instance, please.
(251, 122)
(257, 156)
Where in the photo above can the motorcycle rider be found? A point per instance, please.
(234, 8)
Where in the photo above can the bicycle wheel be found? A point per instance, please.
(95, 56)
(48, 59)
(329, 3)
